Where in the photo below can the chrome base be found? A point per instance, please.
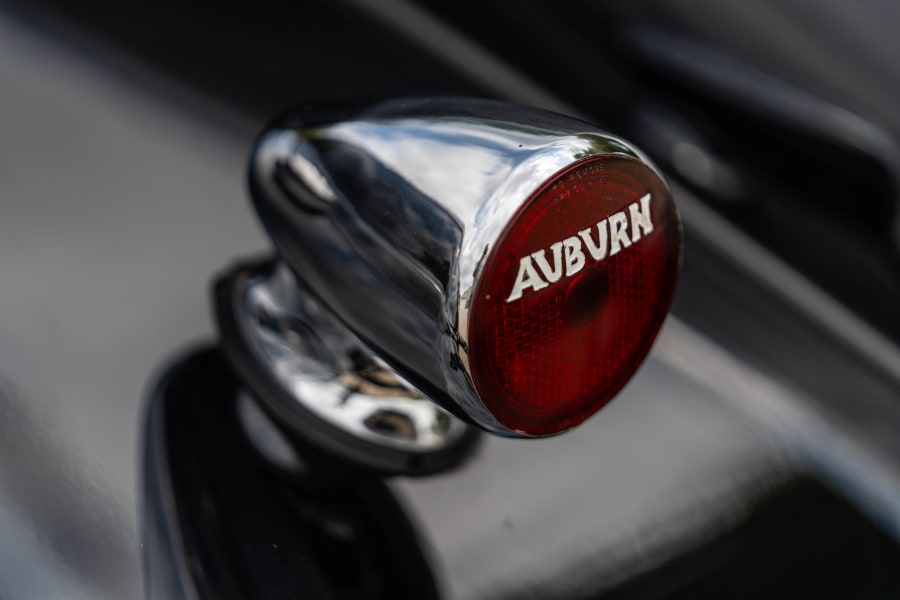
(321, 384)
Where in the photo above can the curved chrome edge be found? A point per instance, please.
(329, 373)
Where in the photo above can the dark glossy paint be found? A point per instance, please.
(221, 522)
(72, 498)
(825, 549)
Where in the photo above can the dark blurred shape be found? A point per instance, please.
(256, 57)
(222, 522)
(818, 184)
(800, 542)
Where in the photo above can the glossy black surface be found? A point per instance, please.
(222, 522)
(800, 541)
(227, 518)
(108, 253)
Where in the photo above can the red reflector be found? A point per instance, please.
(573, 294)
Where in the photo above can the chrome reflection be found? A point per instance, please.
(329, 373)
(405, 200)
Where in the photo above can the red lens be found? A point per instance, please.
(573, 294)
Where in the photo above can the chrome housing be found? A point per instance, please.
(387, 215)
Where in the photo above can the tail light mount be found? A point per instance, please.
(322, 386)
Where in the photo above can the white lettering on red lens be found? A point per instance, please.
(552, 275)
(598, 250)
(568, 256)
(574, 255)
(618, 232)
(527, 278)
(640, 218)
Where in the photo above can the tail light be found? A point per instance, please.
(512, 265)
(572, 294)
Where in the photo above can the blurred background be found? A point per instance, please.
(756, 453)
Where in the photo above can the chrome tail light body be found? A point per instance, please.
(404, 225)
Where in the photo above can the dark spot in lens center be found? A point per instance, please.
(585, 298)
